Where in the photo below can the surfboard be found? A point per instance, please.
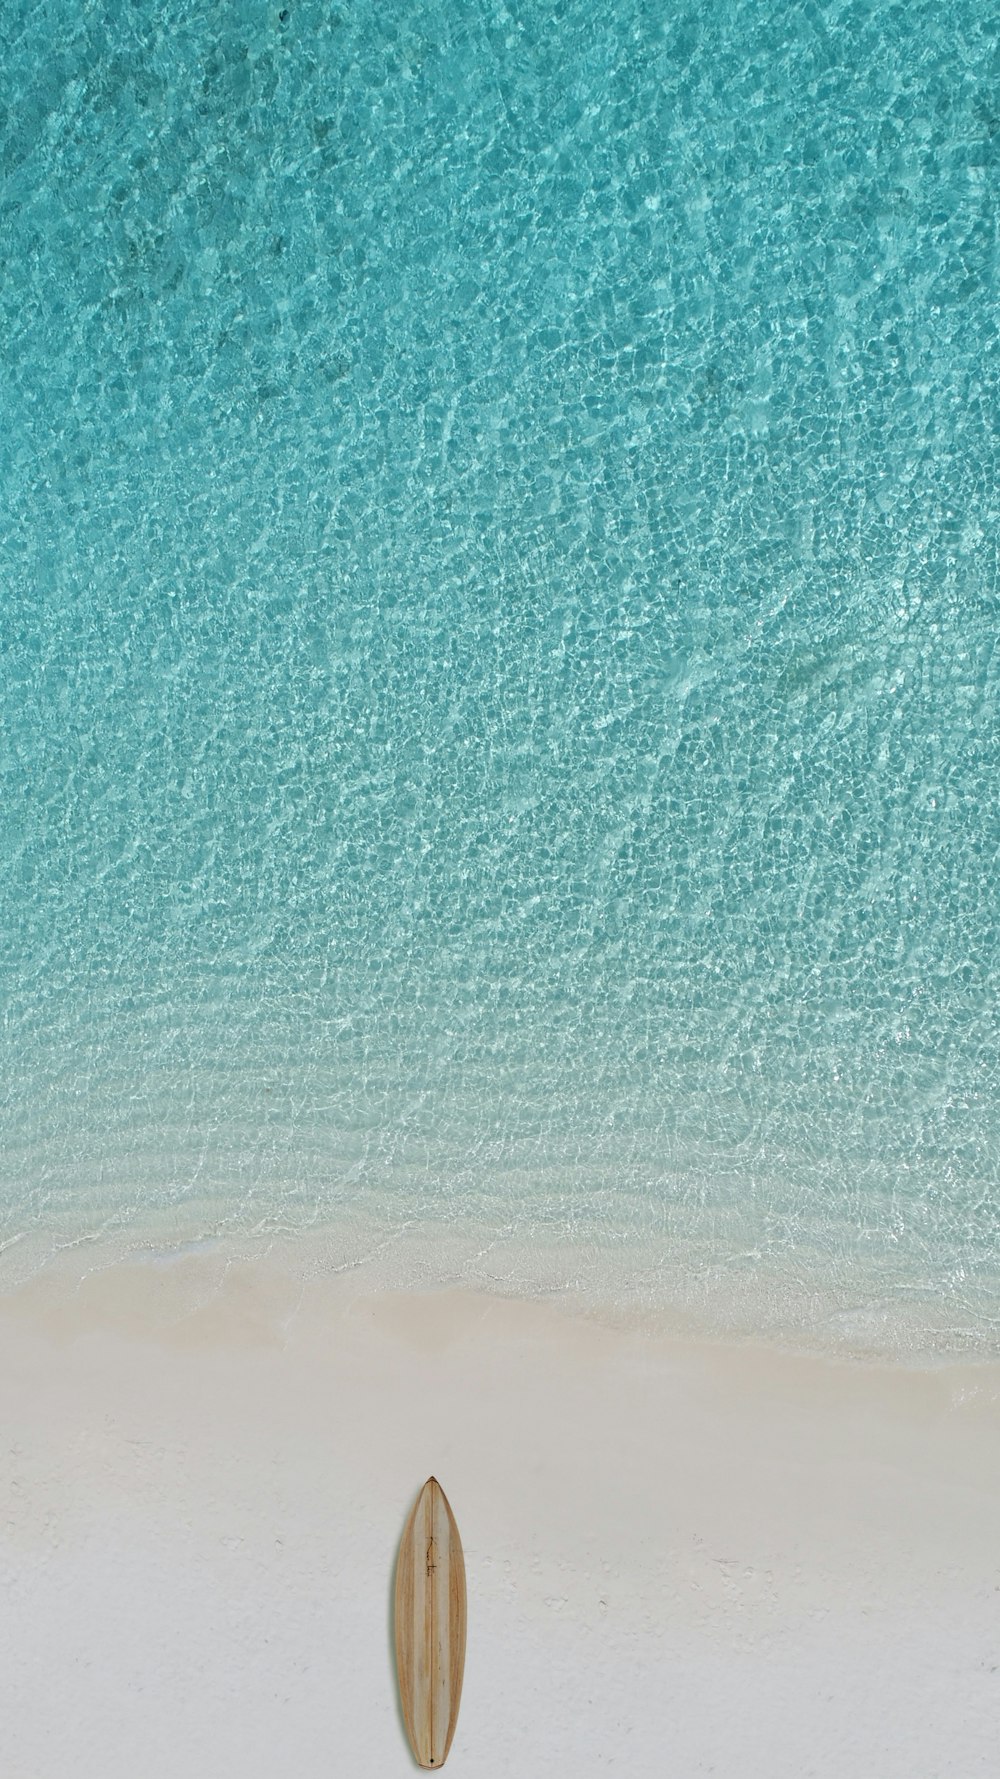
(430, 1625)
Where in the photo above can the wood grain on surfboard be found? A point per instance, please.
(430, 1625)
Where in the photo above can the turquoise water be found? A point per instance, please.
(500, 615)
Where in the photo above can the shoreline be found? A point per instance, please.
(709, 1555)
(671, 1285)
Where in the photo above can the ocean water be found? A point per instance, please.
(501, 633)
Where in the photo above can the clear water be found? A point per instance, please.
(500, 615)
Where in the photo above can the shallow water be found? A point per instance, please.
(500, 613)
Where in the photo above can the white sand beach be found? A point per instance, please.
(683, 1556)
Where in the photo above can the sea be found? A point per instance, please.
(500, 646)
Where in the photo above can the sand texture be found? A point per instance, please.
(683, 1557)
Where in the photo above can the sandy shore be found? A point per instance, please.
(683, 1556)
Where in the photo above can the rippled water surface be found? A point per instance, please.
(500, 619)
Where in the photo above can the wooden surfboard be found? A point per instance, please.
(430, 1625)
